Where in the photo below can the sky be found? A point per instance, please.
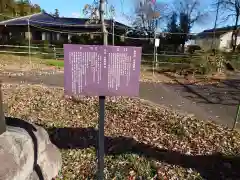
(73, 8)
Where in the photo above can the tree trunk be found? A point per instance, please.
(104, 29)
(213, 45)
(235, 33)
(183, 47)
(175, 47)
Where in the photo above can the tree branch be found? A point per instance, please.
(193, 7)
(227, 17)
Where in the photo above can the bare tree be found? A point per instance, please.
(232, 9)
(148, 15)
(92, 11)
(190, 13)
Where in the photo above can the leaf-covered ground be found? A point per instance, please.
(142, 140)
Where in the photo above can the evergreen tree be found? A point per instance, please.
(56, 13)
(173, 28)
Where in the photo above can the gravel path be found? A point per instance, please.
(212, 102)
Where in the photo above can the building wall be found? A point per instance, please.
(28, 35)
(208, 43)
(50, 36)
(225, 41)
(190, 42)
(36, 34)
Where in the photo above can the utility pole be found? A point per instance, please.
(100, 173)
(154, 50)
(215, 26)
(104, 30)
(29, 43)
(155, 17)
(113, 31)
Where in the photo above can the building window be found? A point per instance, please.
(58, 36)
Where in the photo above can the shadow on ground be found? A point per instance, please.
(225, 92)
(214, 166)
(210, 167)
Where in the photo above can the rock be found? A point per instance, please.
(16, 151)
(27, 153)
(33, 176)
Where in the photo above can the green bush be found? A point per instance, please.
(76, 39)
(83, 39)
(37, 43)
(46, 47)
(19, 41)
(58, 43)
(192, 48)
(233, 59)
(97, 40)
(238, 48)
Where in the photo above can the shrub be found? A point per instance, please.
(17, 40)
(76, 39)
(58, 43)
(192, 48)
(37, 42)
(43, 45)
(83, 39)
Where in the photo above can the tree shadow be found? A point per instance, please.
(225, 92)
(216, 166)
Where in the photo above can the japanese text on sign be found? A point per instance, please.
(101, 70)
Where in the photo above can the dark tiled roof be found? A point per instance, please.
(33, 19)
(218, 32)
(45, 19)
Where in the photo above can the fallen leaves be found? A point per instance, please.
(148, 76)
(142, 141)
(14, 65)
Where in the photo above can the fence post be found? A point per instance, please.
(237, 117)
(2, 117)
(29, 43)
(54, 52)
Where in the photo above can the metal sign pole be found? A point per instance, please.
(156, 46)
(101, 138)
(154, 52)
(157, 58)
(101, 104)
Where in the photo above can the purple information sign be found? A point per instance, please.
(101, 70)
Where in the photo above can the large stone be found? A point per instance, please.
(26, 153)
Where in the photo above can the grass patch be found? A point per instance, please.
(56, 63)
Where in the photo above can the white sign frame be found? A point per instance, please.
(157, 42)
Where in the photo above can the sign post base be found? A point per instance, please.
(101, 138)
